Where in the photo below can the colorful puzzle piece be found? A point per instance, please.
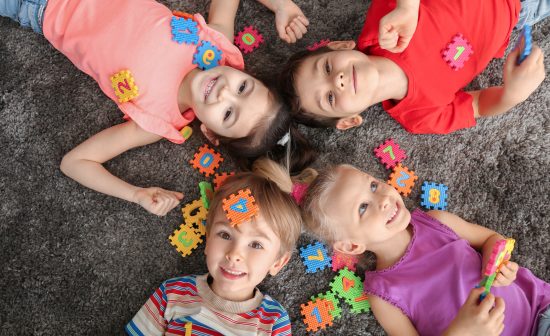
(315, 257)
(184, 30)
(240, 207)
(360, 304)
(501, 253)
(185, 239)
(341, 260)
(524, 44)
(207, 56)
(317, 45)
(207, 193)
(220, 178)
(316, 314)
(124, 86)
(336, 312)
(457, 52)
(194, 212)
(201, 228)
(434, 196)
(183, 15)
(390, 153)
(186, 133)
(402, 179)
(206, 160)
(347, 285)
(248, 39)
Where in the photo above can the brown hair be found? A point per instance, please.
(271, 185)
(287, 89)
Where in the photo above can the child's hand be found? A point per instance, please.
(291, 23)
(397, 27)
(507, 274)
(521, 80)
(157, 201)
(482, 318)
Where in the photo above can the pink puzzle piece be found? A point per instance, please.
(390, 153)
(457, 52)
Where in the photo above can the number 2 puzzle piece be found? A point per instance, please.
(457, 52)
(316, 314)
(220, 178)
(347, 285)
(124, 86)
(248, 39)
(207, 56)
(315, 257)
(402, 179)
(434, 196)
(240, 207)
(194, 212)
(206, 160)
(341, 260)
(185, 239)
(390, 153)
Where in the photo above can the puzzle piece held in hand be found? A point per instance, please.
(185, 239)
(248, 39)
(390, 153)
(206, 160)
(240, 207)
(316, 314)
(402, 179)
(434, 196)
(315, 257)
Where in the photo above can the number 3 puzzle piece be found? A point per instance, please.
(185, 239)
(402, 179)
(240, 207)
(390, 153)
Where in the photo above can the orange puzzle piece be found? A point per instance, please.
(240, 207)
(206, 160)
(220, 178)
(402, 179)
(317, 314)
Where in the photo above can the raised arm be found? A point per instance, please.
(397, 28)
(84, 164)
(222, 16)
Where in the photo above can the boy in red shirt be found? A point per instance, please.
(420, 86)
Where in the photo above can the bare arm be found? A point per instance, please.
(397, 28)
(391, 318)
(222, 16)
(84, 164)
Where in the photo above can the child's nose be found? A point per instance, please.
(224, 91)
(339, 81)
(234, 255)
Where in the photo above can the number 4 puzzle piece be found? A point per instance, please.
(390, 153)
(317, 314)
(240, 207)
(185, 239)
(402, 179)
(206, 160)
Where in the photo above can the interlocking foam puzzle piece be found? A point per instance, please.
(185, 239)
(184, 30)
(457, 52)
(501, 253)
(124, 85)
(206, 160)
(525, 44)
(315, 257)
(347, 285)
(201, 228)
(434, 195)
(360, 304)
(207, 193)
(207, 56)
(248, 39)
(220, 178)
(186, 132)
(240, 207)
(341, 260)
(402, 179)
(317, 45)
(194, 212)
(183, 15)
(390, 153)
(316, 314)
(336, 312)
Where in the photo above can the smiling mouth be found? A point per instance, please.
(354, 79)
(393, 214)
(209, 86)
(231, 274)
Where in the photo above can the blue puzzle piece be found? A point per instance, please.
(206, 160)
(184, 30)
(207, 56)
(434, 196)
(315, 257)
(239, 206)
(525, 44)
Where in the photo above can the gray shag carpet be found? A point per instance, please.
(76, 262)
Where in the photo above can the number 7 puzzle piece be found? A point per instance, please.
(402, 179)
(315, 257)
(390, 153)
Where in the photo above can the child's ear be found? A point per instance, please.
(349, 122)
(341, 45)
(211, 136)
(349, 247)
(279, 263)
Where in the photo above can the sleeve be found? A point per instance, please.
(281, 327)
(150, 320)
(437, 120)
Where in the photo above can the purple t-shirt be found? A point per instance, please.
(435, 275)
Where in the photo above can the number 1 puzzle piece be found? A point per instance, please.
(185, 239)
(315, 257)
(434, 196)
(206, 160)
(240, 207)
(248, 39)
(402, 179)
(457, 52)
(316, 314)
(390, 153)
(336, 311)
(124, 86)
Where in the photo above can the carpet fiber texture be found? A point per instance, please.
(76, 262)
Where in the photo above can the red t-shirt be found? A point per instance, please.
(435, 102)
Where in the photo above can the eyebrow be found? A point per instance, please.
(318, 97)
(237, 111)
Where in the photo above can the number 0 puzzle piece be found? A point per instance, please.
(315, 257)
(206, 160)
(185, 239)
(240, 207)
(390, 153)
(434, 195)
(316, 314)
(457, 52)
(402, 179)
(248, 39)
(186, 132)
(124, 86)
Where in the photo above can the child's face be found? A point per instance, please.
(368, 211)
(240, 257)
(229, 102)
(336, 84)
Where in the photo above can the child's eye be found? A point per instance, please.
(242, 87)
(227, 114)
(330, 98)
(256, 245)
(327, 67)
(224, 235)
(362, 209)
(373, 186)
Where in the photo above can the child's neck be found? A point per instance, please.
(390, 252)
(393, 83)
(185, 96)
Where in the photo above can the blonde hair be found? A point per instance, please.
(270, 185)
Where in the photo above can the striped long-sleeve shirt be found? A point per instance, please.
(187, 306)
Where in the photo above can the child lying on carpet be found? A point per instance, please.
(421, 86)
(165, 88)
(427, 264)
(238, 256)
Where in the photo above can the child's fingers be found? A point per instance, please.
(300, 25)
(498, 309)
(291, 35)
(487, 304)
(473, 297)
(303, 20)
(297, 32)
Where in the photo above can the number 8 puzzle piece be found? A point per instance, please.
(434, 196)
